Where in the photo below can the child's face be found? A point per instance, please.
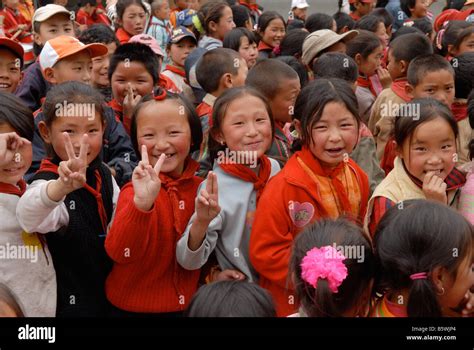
(224, 25)
(382, 34)
(334, 136)
(421, 9)
(134, 73)
(364, 7)
(53, 27)
(163, 128)
(274, 33)
(181, 50)
(300, 13)
(12, 172)
(76, 127)
(248, 51)
(241, 76)
(100, 67)
(246, 127)
(369, 65)
(467, 45)
(163, 12)
(431, 148)
(10, 72)
(133, 20)
(394, 67)
(193, 4)
(438, 85)
(77, 67)
(283, 103)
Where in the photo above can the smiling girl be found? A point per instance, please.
(271, 29)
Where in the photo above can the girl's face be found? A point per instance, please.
(274, 33)
(224, 25)
(246, 126)
(12, 172)
(133, 20)
(431, 148)
(421, 9)
(179, 51)
(248, 51)
(100, 67)
(134, 73)
(382, 34)
(368, 66)
(76, 127)
(467, 45)
(335, 135)
(163, 128)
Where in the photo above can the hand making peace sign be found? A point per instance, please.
(72, 172)
(207, 204)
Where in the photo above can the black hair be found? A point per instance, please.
(470, 109)
(454, 4)
(384, 15)
(364, 44)
(220, 109)
(423, 110)
(231, 299)
(294, 25)
(232, 39)
(318, 21)
(325, 91)
(85, 2)
(267, 76)
(410, 46)
(136, 52)
(369, 22)
(241, 15)
(14, 112)
(424, 64)
(297, 66)
(214, 64)
(451, 35)
(98, 33)
(381, 3)
(214, 14)
(8, 299)
(348, 239)
(300, 103)
(265, 19)
(343, 20)
(122, 5)
(292, 43)
(405, 5)
(419, 240)
(404, 31)
(193, 119)
(336, 65)
(424, 24)
(463, 74)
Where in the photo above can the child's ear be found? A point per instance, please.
(37, 39)
(50, 76)
(44, 131)
(217, 135)
(403, 66)
(440, 277)
(452, 50)
(297, 125)
(410, 90)
(212, 26)
(358, 59)
(226, 81)
(344, 30)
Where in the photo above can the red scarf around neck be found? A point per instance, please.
(177, 70)
(253, 7)
(365, 82)
(17, 190)
(262, 46)
(459, 110)
(245, 173)
(122, 36)
(398, 87)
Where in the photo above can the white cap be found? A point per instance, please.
(48, 11)
(301, 4)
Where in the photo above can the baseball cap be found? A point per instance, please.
(185, 17)
(48, 11)
(13, 46)
(147, 40)
(301, 4)
(321, 40)
(64, 46)
(180, 33)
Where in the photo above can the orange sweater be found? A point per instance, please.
(291, 201)
(146, 276)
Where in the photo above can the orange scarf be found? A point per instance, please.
(252, 7)
(262, 46)
(17, 190)
(365, 82)
(122, 36)
(177, 70)
(398, 87)
(459, 111)
(245, 173)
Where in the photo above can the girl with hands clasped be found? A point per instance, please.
(153, 210)
(71, 200)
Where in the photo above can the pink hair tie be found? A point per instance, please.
(419, 276)
(325, 263)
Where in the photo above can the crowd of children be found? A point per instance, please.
(215, 159)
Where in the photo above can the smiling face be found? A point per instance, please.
(162, 128)
(335, 135)
(274, 32)
(134, 73)
(431, 147)
(10, 73)
(100, 67)
(133, 20)
(12, 172)
(421, 9)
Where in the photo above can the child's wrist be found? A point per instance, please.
(57, 190)
(143, 204)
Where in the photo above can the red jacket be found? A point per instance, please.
(146, 276)
(289, 203)
(122, 36)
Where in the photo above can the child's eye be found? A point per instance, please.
(69, 131)
(93, 130)
(175, 132)
(238, 123)
(261, 119)
(345, 125)
(53, 31)
(148, 135)
(446, 147)
(430, 91)
(420, 149)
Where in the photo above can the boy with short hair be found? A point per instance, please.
(160, 26)
(11, 62)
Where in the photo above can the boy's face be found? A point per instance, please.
(100, 67)
(283, 103)
(179, 51)
(53, 27)
(134, 73)
(421, 9)
(163, 12)
(12, 172)
(10, 71)
(438, 85)
(77, 67)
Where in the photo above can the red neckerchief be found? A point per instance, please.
(48, 166)
(167, 84)
(459, 110)
(160, 96)
(398, 87)
(252, 7)
(122, 36)
(177, 70)
(364, 81)
(17, 190)
(171, 186)
(354, 16)
(455, 179)
(262, 46)
(245, 173)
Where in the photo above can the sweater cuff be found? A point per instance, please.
(45, 200)
(139, 214)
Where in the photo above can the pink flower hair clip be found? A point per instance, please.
(325, 263)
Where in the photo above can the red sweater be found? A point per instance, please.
(146, 276)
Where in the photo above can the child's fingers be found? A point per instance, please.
(152, 172)
(144, 156)
(68, 145)
(159, 163)
(84, 148)
(203, 200)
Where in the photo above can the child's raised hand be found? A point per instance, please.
(130, 101)
(229, 275)
(434, 187)
(9, 145)
(146, 182)
(207, 204)
(384, 77)
(72, 172)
